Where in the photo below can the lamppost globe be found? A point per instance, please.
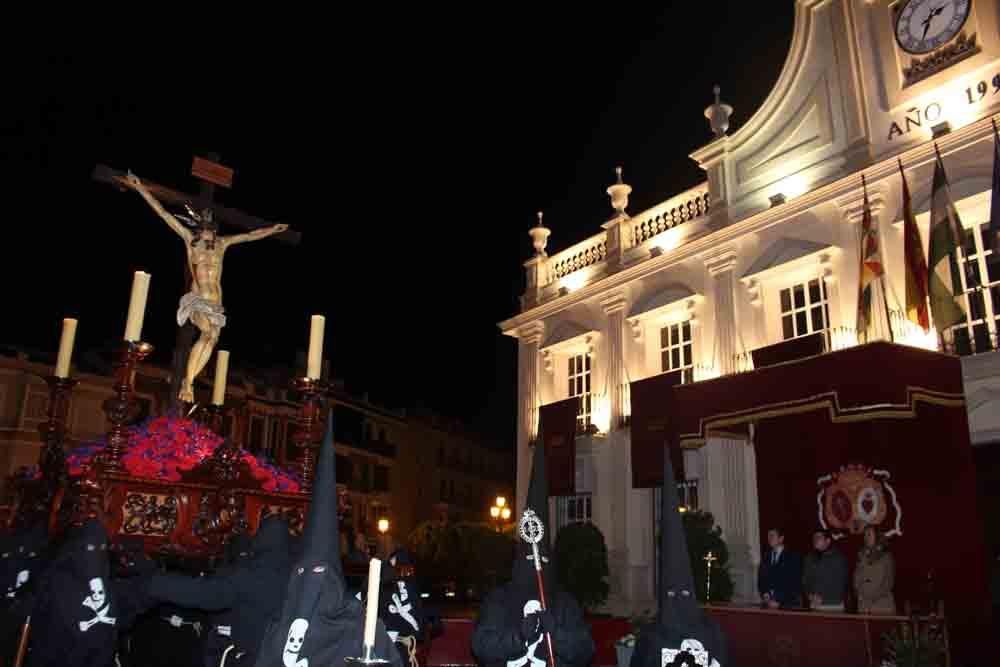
(494, 511)
(383, 526)
(505, 513)
(501, 502)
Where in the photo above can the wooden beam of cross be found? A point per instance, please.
(204, 200)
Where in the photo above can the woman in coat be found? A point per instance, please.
(875, 575)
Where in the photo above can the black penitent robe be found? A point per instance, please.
(23, 561)
(319, 624)
(79, 611)
(166, 637)
(497, 642)
(682, 648)
(245, 597)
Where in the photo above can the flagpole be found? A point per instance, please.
(860, 235)
(885, 304)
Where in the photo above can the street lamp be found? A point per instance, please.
(500, 512)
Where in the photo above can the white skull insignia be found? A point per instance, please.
(296, 636)
(96, 601)
(97, 594)
(691, 652)
(530, 607)
(22, 579)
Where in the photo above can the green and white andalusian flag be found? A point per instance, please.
(944, 282)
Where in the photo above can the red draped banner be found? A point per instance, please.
(557, 429)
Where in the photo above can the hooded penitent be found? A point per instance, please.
(23, 557)
(244, 596)
(682, 634)
(511, 627)
(319, 623)
(77, 604)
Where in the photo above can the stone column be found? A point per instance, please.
(720, 267)
(728, 489)
(614, 308)
(529, 339)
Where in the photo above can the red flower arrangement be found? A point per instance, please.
(164, 447)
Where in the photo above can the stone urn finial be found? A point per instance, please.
(619, 193)
(539, 236)
(718, 114)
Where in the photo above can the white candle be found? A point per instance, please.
(137, 307)
(221, 370)
(65, 348)
(315, 365)
(371, 611)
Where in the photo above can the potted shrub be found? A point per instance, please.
(704, 536)
(582, 563)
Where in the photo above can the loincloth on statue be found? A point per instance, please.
(192, 303)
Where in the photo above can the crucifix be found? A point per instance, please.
(200, 314)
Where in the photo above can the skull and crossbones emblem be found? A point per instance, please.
(402, 607)
(296, 636)
(97, 602)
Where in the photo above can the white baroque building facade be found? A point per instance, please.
(766, 249)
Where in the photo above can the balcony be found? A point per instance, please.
(643, 236)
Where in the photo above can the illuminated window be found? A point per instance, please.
(579, 386)
(981, 291)
(573, 509)
(675, 350)
(804, 310)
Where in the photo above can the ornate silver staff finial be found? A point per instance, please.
(531, 528)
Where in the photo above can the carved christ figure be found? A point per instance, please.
(203, 304)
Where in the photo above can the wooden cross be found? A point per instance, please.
(210, 173)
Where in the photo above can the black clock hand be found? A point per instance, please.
(930, 17)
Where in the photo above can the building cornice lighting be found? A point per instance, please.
(777, 199)
(940, 129)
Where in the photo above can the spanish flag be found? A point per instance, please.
(915, 263)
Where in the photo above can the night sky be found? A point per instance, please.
(410, 149)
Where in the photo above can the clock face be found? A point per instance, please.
(924, 25)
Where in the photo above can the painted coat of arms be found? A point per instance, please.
(856, 497)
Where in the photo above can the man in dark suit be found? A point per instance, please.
(779, 578)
